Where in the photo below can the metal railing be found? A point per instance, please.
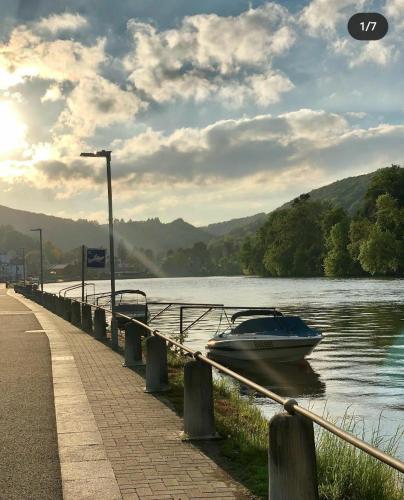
(290, 405)
(75, 287)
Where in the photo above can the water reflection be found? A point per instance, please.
(285, 379)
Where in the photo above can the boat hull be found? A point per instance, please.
(280, 351)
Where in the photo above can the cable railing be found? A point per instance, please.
(290, 405)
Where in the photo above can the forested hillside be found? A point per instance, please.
(315, 238)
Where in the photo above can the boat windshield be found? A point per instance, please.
(282, 325)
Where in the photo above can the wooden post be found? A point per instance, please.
(133, 345)
(292, 458)
(100, 332)
(156, 365)
(199, 421)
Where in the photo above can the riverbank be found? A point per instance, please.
(344, 473)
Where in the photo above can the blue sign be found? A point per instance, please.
(96, 257)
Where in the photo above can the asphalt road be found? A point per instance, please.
(29, 462)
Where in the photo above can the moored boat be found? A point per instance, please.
(267, 335)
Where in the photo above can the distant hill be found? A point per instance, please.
(68, 234)
(157, 236)
(223, 228)
(347, 193)
(64, 233)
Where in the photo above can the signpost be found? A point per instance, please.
(96, 257)
(91, 257)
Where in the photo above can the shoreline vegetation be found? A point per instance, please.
(344, 473)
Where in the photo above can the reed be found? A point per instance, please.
(344, 473)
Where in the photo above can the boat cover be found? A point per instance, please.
(280, 325)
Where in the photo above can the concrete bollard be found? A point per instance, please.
(114, 333)
(100, 331)
(199, 421)
(67, 307)
(60, 306)
(292, 458)
(54, 304)
(156, 365)
(75, 313)
(86, 318)
(133, 345)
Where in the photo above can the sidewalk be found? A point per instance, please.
(29, 462)
(126, 438)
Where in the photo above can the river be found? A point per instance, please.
(359, 365)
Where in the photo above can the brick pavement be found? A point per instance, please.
(140, 433)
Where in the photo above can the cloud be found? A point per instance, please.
(28, 55)
(236, 149)
(321, 17)
(395, 8)
(230, 58)
(61, 22)
(97, 102)
(52, 94)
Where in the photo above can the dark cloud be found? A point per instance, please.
(76, 170)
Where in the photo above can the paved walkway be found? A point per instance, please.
(29, 462)
(135, 433)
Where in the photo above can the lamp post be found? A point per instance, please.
(23, 264)
(107, 156)
(41, 254)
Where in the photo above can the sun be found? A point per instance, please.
(12, 129)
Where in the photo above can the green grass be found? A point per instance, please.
(344, 473)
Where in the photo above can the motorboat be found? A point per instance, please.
(263, 335)
(131, 303)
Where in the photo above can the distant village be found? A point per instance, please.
(13, 268)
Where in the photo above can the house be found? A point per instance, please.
(59, 270)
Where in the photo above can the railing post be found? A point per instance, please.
(292, 458)
(133, 345)
(100, 332)
(114, 333)
(67, 309)
(86, 318)
(199, 421)
(75, 313)
(156, 365)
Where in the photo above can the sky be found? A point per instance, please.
(213, 109)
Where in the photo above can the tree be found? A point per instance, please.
(385, 181)
(338, 261)
(294, 239)
(380, 252)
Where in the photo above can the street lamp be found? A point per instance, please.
(41, 253)
(23, 264)
(107, 156)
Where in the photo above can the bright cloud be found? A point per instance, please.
(97, 102)
(213, 56)
(61, 22)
